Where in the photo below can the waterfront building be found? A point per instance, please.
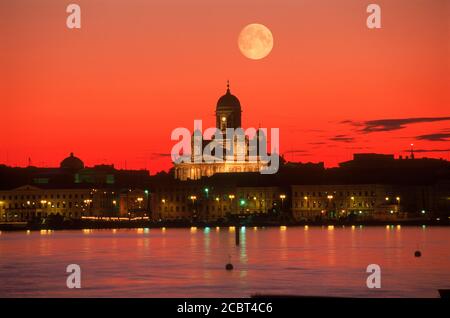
(362, 201)
(134, 203)
(369, 187)
(216, 198)
(261, 200)
(28, 202)
(72, 191)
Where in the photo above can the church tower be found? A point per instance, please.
(228, 111)
(236, 154)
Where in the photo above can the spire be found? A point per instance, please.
(228, 87)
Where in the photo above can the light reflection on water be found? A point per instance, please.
(318, 261)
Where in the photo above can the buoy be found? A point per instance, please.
(229, 266)
(417, 254)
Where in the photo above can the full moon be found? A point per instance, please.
(255, 41)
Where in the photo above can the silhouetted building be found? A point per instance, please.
(28, 202)
(371, 186)
(72, 163)
(71, 191)
(362, 201)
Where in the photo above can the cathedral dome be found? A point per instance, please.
(72, 163)
(228, 101)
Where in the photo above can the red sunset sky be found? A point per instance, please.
(113, 91)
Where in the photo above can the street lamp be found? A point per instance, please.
(398, 203)
(282, 197)
(147, 208)
(307, 205)
(87, 202)
(193, 198)
(231, 197)
(139, 200)
(329, 197)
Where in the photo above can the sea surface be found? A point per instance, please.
(308, 261)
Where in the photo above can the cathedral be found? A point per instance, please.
(228, 115)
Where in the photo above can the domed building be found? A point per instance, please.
(72, 163)
(228, 111)
(228, 115)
